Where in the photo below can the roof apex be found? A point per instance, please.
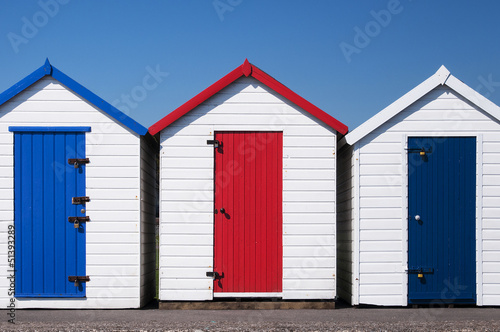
(48, 70)
(441, 77)
(247, 69)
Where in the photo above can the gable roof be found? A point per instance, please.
(247, 69)
(48, 70)
(441, 77)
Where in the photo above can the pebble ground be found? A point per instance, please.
(340, 319)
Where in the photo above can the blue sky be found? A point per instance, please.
(313, 47)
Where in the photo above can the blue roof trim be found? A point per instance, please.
(50, 129)
(25, 82)
(48, 70)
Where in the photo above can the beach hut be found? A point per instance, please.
(78, 198)
(419, 200)
(247, 193)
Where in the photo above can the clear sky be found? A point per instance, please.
(350, 58)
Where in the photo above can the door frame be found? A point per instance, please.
(247, 294)
(479, 207)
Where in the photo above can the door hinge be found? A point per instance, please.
(78, 279)
(80, 200)
(214, 142)
(78, 161)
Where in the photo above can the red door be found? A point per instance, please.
(248, 251)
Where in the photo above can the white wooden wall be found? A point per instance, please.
(186, 192)
(113, 185)
(148, 219)
(345, 225)
(383, 197)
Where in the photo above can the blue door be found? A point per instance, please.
(442, 219)
(48, 247)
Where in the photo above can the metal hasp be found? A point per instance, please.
(78, 279)
(421, 151)
(420, 271)
(78, 161)
(215, 275)
(213, 142)
(78, 220)
(80, 200)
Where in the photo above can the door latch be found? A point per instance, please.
(80, 200)
(213, 142)
(78, 161)
(78, 279)
(420, 271)
(215, 275)
(78, 220)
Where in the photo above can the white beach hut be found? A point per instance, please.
(77, 179)
(419, 200)
(247, 193)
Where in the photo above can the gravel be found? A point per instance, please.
(343, 319)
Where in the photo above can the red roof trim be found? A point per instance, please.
(247, 69)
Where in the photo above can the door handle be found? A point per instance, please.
(417, 217)
(222, 210)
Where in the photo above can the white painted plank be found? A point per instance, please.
(202, 283)
(380, 170)
(197, 239)
(388, 245)
(380, 289)
(294, 141)
(188, 174)
(179, 262)
(308, 229)
(380, 267)
(302, 218)
(197, 273)
(379, 235)
(304, 185)
(308, 284)
(310, 163)
(184, 294)
(198, 184)
(176, 217)
(380, 278)
(380, 191)
(294, 240)
(205, 151)
(309, 251)
(380, 159)
(309, 196)
(382, 256)
(304, 207)
(312, 152)
(309, 294)
(187, 250)
(306, 273)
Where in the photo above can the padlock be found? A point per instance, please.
(77, 283)
(76, 164)
(420, 275)
(76, 224)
